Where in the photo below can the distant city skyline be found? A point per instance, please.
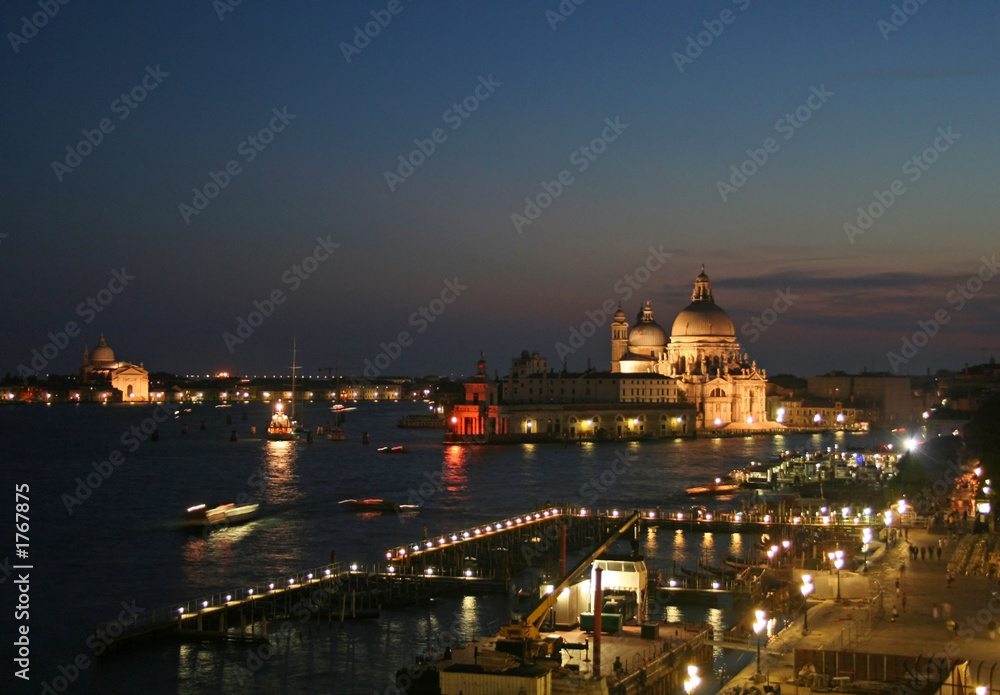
(406, 184)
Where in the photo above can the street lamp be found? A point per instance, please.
(806, 589)
(837, 559)
(758, 627)
(693, 680)
(866, 538)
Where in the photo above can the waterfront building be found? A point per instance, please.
(130, 379)
(534, 403)
(701, 355)
(813, 413)
(893, 397)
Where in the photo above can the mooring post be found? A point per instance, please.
(598, 607)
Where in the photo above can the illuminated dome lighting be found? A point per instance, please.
(647, 333)
(702, 318)
(102, 355)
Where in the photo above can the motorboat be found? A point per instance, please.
(721, 486)
(222, 515)
(391, 450)
(377, 505)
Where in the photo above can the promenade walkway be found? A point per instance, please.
(844, 626)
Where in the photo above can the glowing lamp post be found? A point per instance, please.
(758, 627)
(693, 680)
(837, 560)
(866, 538)
(806, 589)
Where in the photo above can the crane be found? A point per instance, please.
(526, 629)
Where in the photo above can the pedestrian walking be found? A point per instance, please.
(904, 601)
(923, 552)
(950, 624)
(935, 612)
(939, 552)
(946, 611)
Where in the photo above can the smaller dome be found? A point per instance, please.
(647, 335)
(619, 315)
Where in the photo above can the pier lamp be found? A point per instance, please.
(758, 627)
(866, 538)
(981, 690)
(693, 680)
(806, 589)
(837, 560)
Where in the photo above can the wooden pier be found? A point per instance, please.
(474, 560)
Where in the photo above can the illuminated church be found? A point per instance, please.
(130, 379)
(701, 353)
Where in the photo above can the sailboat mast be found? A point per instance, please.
(294, 350)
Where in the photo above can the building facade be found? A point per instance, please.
(534, 403)
(100, 365)
(701, 354)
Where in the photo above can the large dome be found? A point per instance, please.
(102, 354)
(702, 317)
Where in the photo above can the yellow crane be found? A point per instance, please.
(526, 629)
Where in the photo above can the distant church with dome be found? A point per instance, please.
(701, 353)
(132, 380)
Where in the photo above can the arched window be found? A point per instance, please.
(717, 393)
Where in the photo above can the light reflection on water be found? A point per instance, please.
(298, 486)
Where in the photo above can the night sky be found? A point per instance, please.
(312, 117)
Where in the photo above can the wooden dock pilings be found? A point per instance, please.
(474, 560)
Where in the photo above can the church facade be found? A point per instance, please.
(101, 365)
(701, 353)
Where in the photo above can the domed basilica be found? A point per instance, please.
(701, 353)
(101, 365)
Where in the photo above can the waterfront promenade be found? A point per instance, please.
(844, 626)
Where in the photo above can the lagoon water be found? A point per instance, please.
(121, 545)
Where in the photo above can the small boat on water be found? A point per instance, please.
(222, 515)
(721, 486)
(377, 505)
(723, 571)
(391, 450)
(283, 426)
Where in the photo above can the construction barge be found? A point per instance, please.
(586, 633)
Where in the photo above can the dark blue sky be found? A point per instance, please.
(217, 82)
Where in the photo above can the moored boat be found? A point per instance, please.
(721, 486)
